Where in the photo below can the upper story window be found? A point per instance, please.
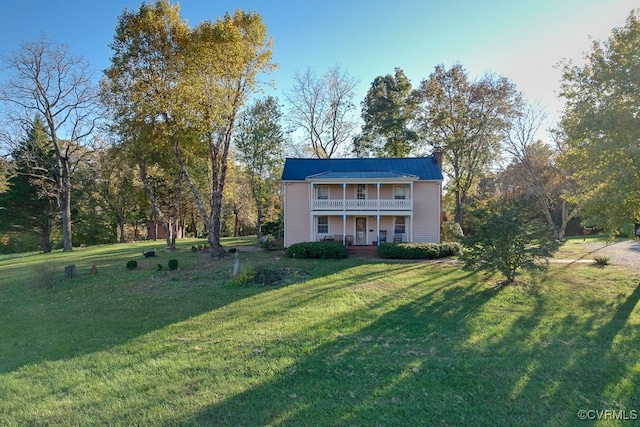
(322, 192)
(400, 192)
(361, 191)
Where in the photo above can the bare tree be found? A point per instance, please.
(48, 81)
(322, 107)
(535, 168)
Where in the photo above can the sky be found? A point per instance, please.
(520, 40)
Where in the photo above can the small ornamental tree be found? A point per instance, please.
(507, 239)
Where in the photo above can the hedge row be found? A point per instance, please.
(418, 250)
(323, 250)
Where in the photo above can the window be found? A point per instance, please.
(361, 192)
(400, 225)
(400, 192)
(322, 192)
(323, 225)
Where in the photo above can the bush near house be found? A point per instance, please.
(322, 250)
(418, 250)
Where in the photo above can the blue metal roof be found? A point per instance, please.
(425, 168)
(361, 175)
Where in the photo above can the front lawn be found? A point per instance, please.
(344, 342)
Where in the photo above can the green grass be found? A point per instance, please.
(349, 342)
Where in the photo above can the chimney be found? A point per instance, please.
(437, 154)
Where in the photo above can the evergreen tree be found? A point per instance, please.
(30, 203)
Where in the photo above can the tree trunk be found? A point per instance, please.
(176, 212)
(219, 178)
(46, 237)
(236, 223)
(217, 251)
(194, 225)
(65, 213)
(194, 191)
(259, 222)
(121, 228)
(154, 202)
(458, 210)
(70, 272)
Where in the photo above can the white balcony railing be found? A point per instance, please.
(362, 205)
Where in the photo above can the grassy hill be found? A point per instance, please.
(348, 342)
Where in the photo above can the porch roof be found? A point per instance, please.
(361, 175)
(422, 168)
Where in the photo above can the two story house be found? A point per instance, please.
(362, 201)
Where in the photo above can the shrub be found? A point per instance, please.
(601, 261)
(262, 274)
(273, 228)
(508, 238)
(232, 250)
(418, 250)
(244, 277)
(268, 275)
(173, 264)
(193, 248)
(132, 264)
(266, 242)
(451, 231)
(45, 276)
(322, 250)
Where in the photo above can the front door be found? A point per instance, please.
(361, 231)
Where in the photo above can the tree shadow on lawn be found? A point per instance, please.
(96, 313)
(87, 315)
(456, 355)
(382, 374)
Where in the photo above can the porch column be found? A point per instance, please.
(411, 227)
(344, 197)
(311, 228)
(411, 192)
(378, 229)
(344, 229)
(311, 216)
(378, 196)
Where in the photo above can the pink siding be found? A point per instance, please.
(296, 213)
(426, 212)
(425, 227)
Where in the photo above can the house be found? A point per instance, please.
(362, 201)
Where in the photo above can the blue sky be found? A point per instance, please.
(521, 40)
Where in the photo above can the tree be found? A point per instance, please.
(181, 89)
(237, 207)
(4, 174)
(507, 239)
(389, 111)
(224, 60)
(259, 140)
(110, 181)
(29, 204)
(143, 92)
(466, 120)
(601, 127)
(321, 106)
(49, 81)
(535, 169)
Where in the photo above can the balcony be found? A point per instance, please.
(362, 205)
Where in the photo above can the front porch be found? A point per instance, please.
(361, 229)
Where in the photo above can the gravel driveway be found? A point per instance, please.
(626, 253)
